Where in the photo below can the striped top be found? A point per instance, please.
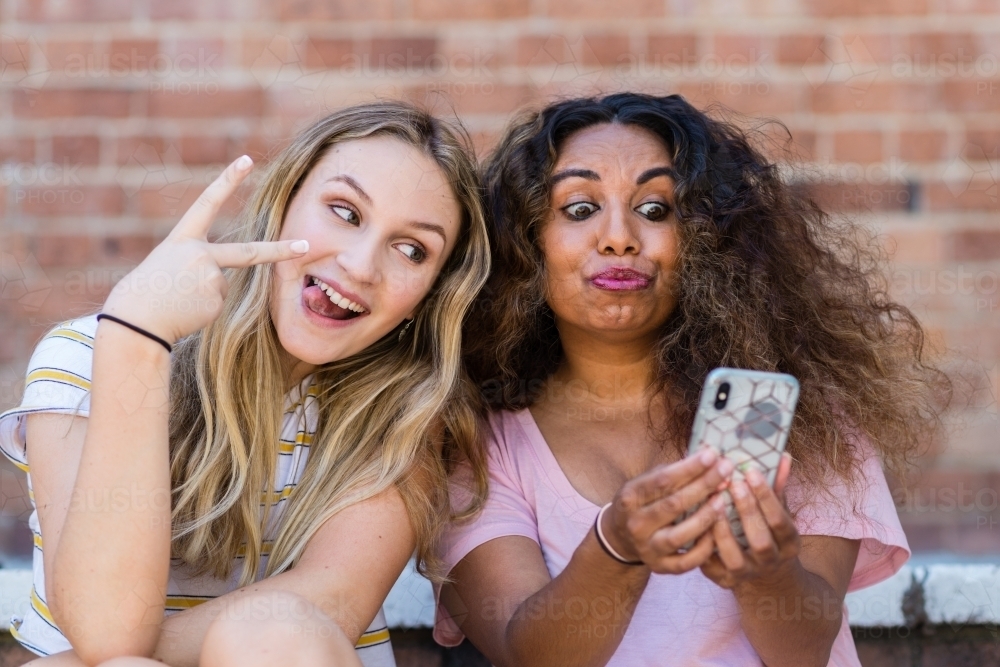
(58, 381)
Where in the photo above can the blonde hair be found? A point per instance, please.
(394, 414)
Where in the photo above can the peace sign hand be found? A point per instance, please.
(179, 288)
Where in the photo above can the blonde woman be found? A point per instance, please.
(252, 497)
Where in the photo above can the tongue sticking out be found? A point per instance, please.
(318, 302)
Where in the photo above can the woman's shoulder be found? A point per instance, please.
(63, 357)
(57, 381)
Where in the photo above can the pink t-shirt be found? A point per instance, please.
(681, 619)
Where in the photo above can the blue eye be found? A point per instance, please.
(653, 210)
(579, 210)
(346, 213)
(414, 253)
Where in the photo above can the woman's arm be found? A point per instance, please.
(111, 558)
(107, 545)
(517, 615)
(790, 589)
(346, 571)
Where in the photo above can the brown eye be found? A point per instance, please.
(579, 210)
(653, 210)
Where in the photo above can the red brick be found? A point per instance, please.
(979, 245)
(923, 146)
(851, 8)
(127, 146)
(198, 58)
(61, 103)
(170, 202)
(501, 99)
(17, 149)
(344, 10)
(941, 51)
(399, 52)
(978, 194)
(131, 249)
(971, 94)
(860, 197)
(76, 11)
(58, 250)
(443, 10)
(206, 104)
(328, 53)
(75, 58)
(605, 50)
(201, 9)
(797, 49)
(857, 146)
(205, 150)
(865, 94)
(70, 199)
(76, 149)
(133, 54)
(600, 9)
(986, 139)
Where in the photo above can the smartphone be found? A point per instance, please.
(746, 417)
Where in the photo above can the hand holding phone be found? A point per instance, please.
(746, 417)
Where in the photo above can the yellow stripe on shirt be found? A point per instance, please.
(58, 376)
(39, 606)
(373, 637)
(182, 602)
(63, 332)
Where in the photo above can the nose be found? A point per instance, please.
(617, 234)
(360, 259)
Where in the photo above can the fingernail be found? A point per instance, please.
(718, 503)
(300, 247)
(707, 455)
(244, 163)
(738, 489)
(754, 477)
(725, 467)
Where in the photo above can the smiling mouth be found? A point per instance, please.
(325, 301)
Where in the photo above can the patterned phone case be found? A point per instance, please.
(751, 429)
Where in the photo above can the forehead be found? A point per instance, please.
(387, 164)
(612, 142)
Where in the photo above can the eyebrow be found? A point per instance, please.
(431, 227)
(644, 177)
(570, 173)
(650, 174)
(353, 184)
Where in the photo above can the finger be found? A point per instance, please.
(775, 514)
(199, 218)
(671, 538)
(755, 528)
(729, 549)
(664, 479)
(666, 510)
(781, 479)
(694, 557)
(239, 255)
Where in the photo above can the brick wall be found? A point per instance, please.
(115, 113)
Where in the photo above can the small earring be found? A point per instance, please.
(402, 332)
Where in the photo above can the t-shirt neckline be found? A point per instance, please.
(550, 464)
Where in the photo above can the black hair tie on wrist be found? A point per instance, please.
(136, 329)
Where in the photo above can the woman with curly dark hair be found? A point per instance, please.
(637, 244)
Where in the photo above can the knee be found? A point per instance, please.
(257, 627)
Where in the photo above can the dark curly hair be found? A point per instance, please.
(765, 280)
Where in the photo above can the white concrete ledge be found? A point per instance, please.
(955, 594)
